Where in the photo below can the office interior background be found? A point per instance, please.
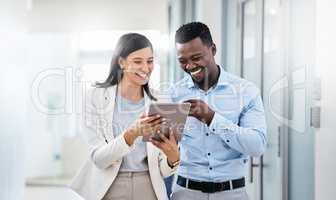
(50, 50)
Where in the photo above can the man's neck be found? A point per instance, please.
(210, 80)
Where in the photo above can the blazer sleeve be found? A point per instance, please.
(103, 153)
(164, 96)
(165, 169)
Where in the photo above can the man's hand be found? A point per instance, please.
(200, 110)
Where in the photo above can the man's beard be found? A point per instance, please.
(204, 81)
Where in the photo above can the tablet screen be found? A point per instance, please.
(176, 115)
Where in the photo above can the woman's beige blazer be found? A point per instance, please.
(106, 151)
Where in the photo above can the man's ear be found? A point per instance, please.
(213, 49)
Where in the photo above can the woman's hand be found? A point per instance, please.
(168, 146)
(145, 125)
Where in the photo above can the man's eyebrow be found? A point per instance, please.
(196, 54)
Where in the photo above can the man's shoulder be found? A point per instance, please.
(234, 79)
(242, 85)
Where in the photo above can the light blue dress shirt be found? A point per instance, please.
(220, 151)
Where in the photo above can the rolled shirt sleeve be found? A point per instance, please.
(249, 135)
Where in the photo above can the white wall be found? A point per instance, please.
(53, 33)
(325, 164)
(232, 38)
(13, 87)
(47, 52)
(86, 15)
(12, 98)
(211, 15)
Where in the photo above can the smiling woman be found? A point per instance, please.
(124, 54)
(115, 125)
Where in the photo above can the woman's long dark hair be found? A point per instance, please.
(126, 45)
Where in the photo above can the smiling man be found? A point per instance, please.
(226, 123)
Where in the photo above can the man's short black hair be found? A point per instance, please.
(190, 31)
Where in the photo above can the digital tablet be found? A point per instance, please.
(176, 115)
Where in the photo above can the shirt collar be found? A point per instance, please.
(222, 80)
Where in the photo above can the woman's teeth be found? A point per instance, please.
(143, 75)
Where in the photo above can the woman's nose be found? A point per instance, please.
(147, 68)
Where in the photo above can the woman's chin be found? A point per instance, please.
(141, 81)
(144, 83)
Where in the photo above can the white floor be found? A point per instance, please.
(49, 193)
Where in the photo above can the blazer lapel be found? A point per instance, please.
(109, 105)
(151, 149)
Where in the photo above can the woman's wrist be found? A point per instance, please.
(173, 162)
(130, 135)
(173, 159)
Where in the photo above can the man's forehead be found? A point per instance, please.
(187, 54)
(196, 42)
(190, 48)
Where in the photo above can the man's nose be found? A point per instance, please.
(190, 65)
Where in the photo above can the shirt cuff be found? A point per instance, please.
(221, 125)
(166, 169)
(224, 128)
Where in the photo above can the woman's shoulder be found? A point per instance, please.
(94, 93)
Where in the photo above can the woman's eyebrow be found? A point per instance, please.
(139, 58)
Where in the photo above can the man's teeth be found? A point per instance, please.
(196, 72)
